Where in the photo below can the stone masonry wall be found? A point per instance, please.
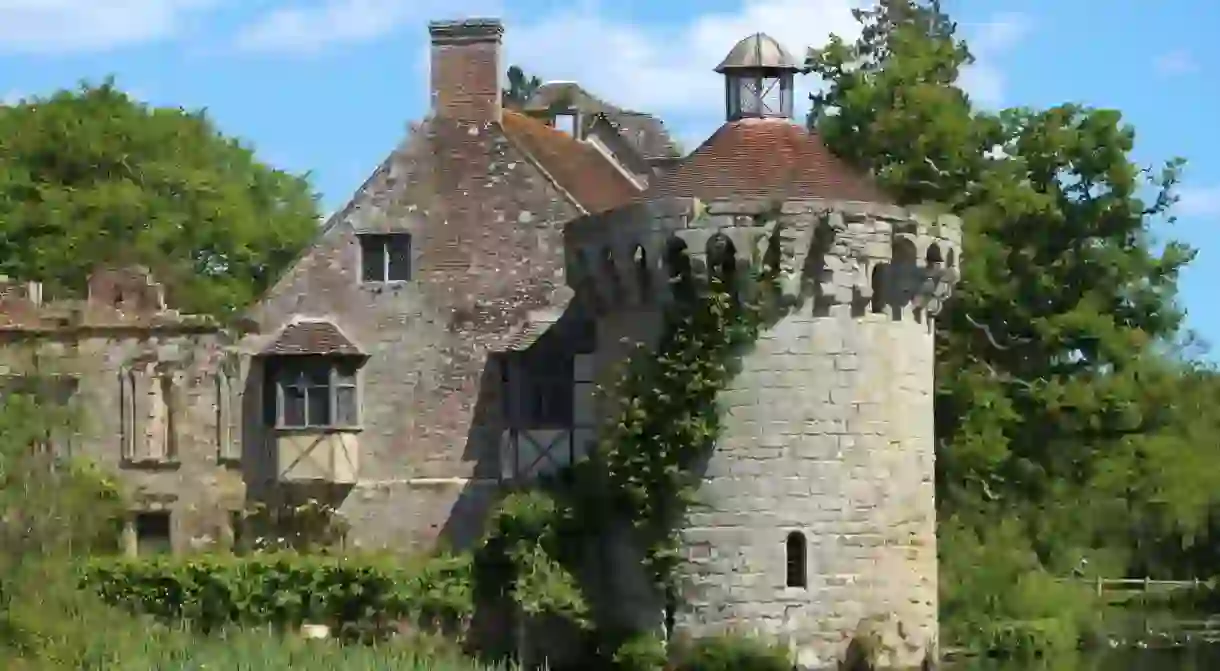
(828, 430)
(170, 452)
(485, 227)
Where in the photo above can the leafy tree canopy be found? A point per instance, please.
(521, 88)
(1059, 402)
(92, 177)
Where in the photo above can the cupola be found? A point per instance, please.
(759, 75)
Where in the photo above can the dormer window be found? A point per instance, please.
(385, 257)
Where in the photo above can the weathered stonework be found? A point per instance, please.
(149, 396)
(829, 425)
(431, 393)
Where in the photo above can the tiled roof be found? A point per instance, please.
(579, 168)
(764, 158)
(311, 337)
(646, 133)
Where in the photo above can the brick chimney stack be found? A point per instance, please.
(466, 69)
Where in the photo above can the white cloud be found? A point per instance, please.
(311, 28)
(60, 26)
(1198, 201)
(1176, 62)
(984, 79)
(669, 69)
(664, 68)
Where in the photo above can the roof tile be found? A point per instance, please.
(311, 337)
(578, 167)
(765, 158)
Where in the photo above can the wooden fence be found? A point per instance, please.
(1102, 586)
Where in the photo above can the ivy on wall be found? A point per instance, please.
(665, 420)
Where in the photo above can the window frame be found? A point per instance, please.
(285, 373)
(385, 245)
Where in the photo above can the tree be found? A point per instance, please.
(520, 88)
(92, 177)
(1057, 403)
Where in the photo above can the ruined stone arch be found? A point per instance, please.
(934, 256)
(721, 256)
(643, 273)
(904, 275)
(610, 275)
(679, 268)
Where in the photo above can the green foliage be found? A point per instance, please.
(311, 527)
(122, 643)
(92, 177)
(732, 652)
(521, 557)
(644, 652)
(521, 88)
(667, 417)
(1001, 595)
(214, 591)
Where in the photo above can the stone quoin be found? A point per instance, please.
(442, 338)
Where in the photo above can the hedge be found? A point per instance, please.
(214, 591)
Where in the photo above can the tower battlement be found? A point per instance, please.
(874, 258)
(827, 446)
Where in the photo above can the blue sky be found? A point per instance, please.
(330, 85)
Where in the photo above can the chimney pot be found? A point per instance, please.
(466, 69)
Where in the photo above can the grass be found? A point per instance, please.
(120, 647)
(47, 624)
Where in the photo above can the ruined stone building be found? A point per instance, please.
(444, 334)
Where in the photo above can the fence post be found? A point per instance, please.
(1098, 585)
(1147, 583)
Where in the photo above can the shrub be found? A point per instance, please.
(643, 652)
(732, 652)
(355, 594)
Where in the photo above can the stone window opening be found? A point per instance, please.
(797, 565)
(153, 531)
(313, 392)
(385, 257)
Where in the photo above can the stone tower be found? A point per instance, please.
(817, 516)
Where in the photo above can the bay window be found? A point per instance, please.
(313, 392)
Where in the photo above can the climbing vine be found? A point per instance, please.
(665, 420)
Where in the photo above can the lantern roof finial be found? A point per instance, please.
(758, 52)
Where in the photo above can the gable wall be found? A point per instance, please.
(487, 240)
